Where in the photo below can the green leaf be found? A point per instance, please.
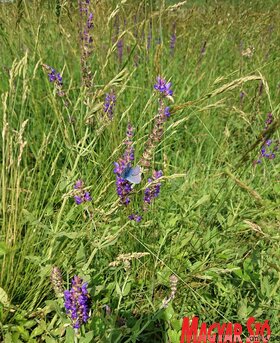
(242, 310)
(71, 235)
(87, 338)
(8, 338)
(29, 324)
(177, 324)
(24, 334)
(45, 271)
(127, 289)
(63, 184)
(37, 331)
(265, 286)
(69, 338)
(220, 219)
(202, 200)
(239, 273)
(118, 289)
(50, 340)
(4, 297)
(174, 336)
(168, 312)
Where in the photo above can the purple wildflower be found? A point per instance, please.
(172, 40)
(120, 50)
(87, 196)
(153, 190)
(80, 195)
(83, 6)
(128, 156)
(124, 187)
(79, 184)
(77, 302)
(268, 121)
(163, 87)
(167, 112)
(109, 104)
(90, 21)
(270, 154)
(135, 217)
(55, 78)
(119, 167)
(78, 199)
(269, 147)
(172, 43)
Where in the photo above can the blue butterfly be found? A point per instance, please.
(133, 175)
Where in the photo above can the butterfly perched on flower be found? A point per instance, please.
(133, 175)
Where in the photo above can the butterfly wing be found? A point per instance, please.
(135, 171)
(126, 172)
(134, 175)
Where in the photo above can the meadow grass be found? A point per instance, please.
(215, 224)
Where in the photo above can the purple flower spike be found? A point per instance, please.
(135, 217)
(157, 174)
(120, 50)
(269, 147)
(80, 194)
(109, 104)
(55, 78)
(124, 187)
(118, 168)
(268, 121)
(153, 190)
(79, 184)
(77, 302)
(87, 196)
(167, 112)
(90, 21)
(163, 87)
(172, 43)
(78, 199)
(173, 40)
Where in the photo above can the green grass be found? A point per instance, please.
(215, 224)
